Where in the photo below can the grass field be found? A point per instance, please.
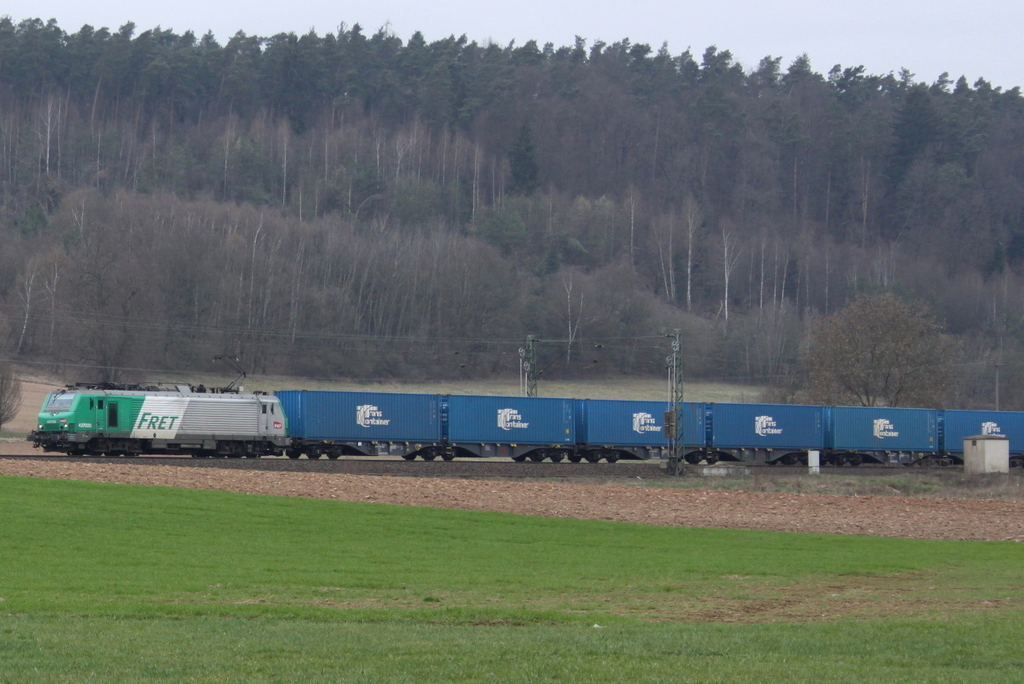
(119, 583)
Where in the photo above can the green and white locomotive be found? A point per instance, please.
(125, 420)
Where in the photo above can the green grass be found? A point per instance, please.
(121, 583)
(74, 649)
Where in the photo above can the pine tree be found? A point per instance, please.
(523, 162)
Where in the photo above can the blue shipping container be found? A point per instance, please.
(766, 426)
(362, 416)
(511, 420)
(865, 428)
(606, 422)
(956, 425)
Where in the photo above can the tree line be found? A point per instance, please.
(356, 204)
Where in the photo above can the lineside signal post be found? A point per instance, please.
(674, 419)
(528, 367)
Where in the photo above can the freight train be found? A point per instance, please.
(160, 419)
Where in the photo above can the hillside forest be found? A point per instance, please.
(356, 205)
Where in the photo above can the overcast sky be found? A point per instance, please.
(974, 39)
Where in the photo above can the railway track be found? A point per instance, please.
(481, 468)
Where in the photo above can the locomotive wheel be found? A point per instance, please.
(612, 459)
(429, 457)
(448, 456)
(536, 458)
(557, 458)
(592, 458)
(293, 455)
(409, 457)
(519, 459)
(333, 455)
(575, 458)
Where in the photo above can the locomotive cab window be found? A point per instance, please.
(264, 408)
(60, 401)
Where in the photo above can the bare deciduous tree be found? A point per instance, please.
(693, 218)
(25, 294)
(880, 351)
(730, 257)
(10, 394)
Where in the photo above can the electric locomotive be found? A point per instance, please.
(126, 420)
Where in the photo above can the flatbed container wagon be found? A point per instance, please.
(333, 423)
(956, 425)
(613, 429)
(764, 433)
(537, 428)
(856, 434)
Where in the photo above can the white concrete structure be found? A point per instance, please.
(986, 454)
(814, 462)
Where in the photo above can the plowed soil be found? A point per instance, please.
(888, 516)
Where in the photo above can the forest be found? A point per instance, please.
(356, 205)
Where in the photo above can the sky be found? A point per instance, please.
(973, 39)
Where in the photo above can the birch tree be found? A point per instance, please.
(730, 257)
(25, 293)
(692, 219)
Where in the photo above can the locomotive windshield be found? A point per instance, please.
(60, 401)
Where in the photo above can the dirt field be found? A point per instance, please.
(889, 516)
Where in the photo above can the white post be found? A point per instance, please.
(813, 462)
